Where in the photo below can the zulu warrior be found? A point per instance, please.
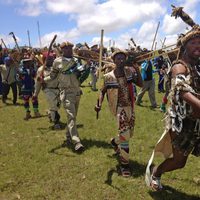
(182, 132)
(119, 86)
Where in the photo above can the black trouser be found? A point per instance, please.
(6, 89)
(57, 117)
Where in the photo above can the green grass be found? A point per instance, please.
(34, 166)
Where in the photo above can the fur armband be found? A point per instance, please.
(182, 83)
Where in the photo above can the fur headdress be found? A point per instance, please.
(194, 32)
(118, 51)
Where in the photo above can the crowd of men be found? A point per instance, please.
(59, 74)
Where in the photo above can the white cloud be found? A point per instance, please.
(191, 5)
(116, 14)
(142, 37)
(70, 35)
(141, 16)
(68, 6)
(92, 16)
(171, 39)
(191, 8)
(96, 40)
(172, 25)
(111, 15)
(31, 10)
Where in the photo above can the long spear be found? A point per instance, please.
(38, 26)
(163, 42)
(100, 65)
(155, 36)
(29, 41)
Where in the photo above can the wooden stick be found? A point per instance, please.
(152, 55)
(15, 39)
(155, 46)
(4, 44)
(29, 40)
(101, 49)
(85, 58)
(38, 26)
(149, 53)
(99, 69)
(49, 50)
(163, 43)
(138, 58)
(155, 35)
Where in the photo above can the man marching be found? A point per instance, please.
(8, 74)
(182, 132)
(50, 90)
(64, 71)
(27, 75)
(119, 86)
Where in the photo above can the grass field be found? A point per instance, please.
(35, 166)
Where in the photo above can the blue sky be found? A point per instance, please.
(82, 21)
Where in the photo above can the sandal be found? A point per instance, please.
(125, 171)
(153, 181)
